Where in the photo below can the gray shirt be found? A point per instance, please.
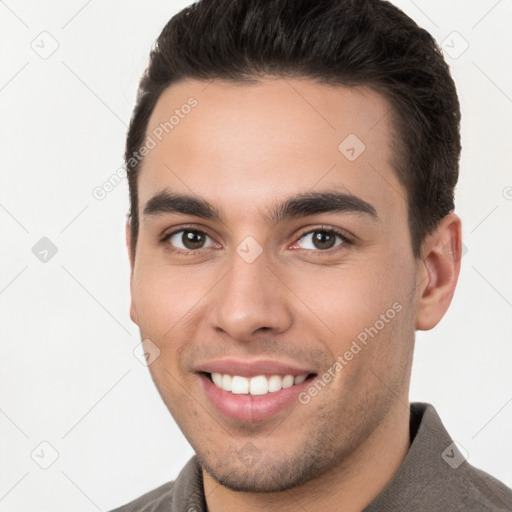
(434, 476)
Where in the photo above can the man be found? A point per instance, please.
(292, 167)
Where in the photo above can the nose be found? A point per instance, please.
(250, 299)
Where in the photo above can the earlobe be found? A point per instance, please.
(438, 272)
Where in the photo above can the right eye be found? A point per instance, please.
(188, 240)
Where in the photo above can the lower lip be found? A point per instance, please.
(251, 408)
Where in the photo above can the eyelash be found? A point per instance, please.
(325, 229)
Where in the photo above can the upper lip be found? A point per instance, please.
(252, 368)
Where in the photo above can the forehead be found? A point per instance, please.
(246, 144)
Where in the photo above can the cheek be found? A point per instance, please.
(349, 299)
(162, 296)
(360, 301)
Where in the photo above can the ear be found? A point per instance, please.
(438, 272)
(128, 235)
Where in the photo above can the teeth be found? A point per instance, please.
(275, 383)
(226, 382)
(259, 385)
(239, 385)
(217, 379)
(287, 381)
(300, 379)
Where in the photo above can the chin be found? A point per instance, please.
(266, 474)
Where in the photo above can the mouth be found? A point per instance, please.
(254, 398)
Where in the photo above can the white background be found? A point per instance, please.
(68, 374)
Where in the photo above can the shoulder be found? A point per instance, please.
(470, 487)
(457, 485)
(436, 476)
(157, 500)
(477, 490)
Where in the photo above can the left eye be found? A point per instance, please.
(322, 239)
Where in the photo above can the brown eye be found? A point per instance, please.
(192, 239)
(322, 239)
(189, 240)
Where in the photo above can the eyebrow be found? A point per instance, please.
(296, 206)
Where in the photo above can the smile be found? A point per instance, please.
(252, 390)
(255, 386)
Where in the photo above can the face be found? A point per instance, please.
(274, 275)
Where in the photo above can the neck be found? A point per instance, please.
(348, 487)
